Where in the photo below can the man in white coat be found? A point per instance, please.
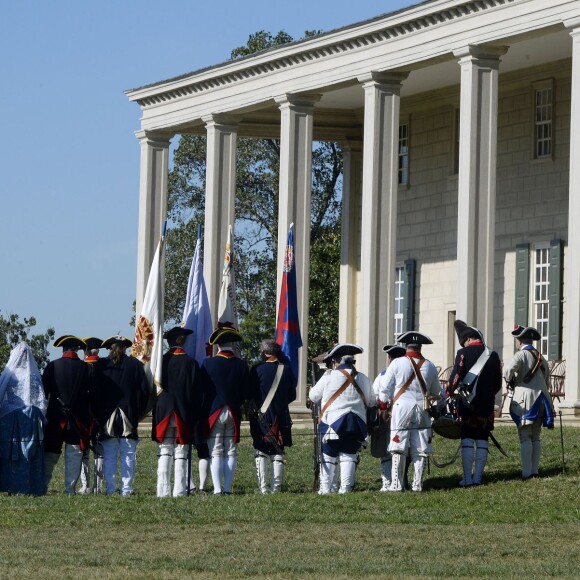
(531, 406)
(409, 387)
(344, 394)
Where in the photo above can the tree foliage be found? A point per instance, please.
(256, 227)
(13, 330)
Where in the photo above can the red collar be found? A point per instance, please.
(476, 343)
(272, 359)
(92, 358)
(225, 354)
(176, 350)
(70, 354)
(413, 354)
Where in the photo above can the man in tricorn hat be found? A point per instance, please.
(410, 385)
(93, 344)
(272, 389)
(474, 380)
(176, 413)
(531, 406)
(344, 394)
(67, 383)
(123, 394)
(380, 435)
(225, 384)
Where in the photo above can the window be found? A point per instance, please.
(540, 294)
(538, 300)
(543, 119)
(399, 299)
(404, 154)
(404, 296)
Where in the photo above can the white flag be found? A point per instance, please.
(148, 343)
(196, 315)
(227, 310)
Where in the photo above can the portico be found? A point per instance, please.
(455, 222)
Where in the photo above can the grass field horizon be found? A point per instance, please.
(504, 528)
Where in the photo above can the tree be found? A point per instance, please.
(256, 228)
(13, 330)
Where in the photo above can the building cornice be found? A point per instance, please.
(348, 39)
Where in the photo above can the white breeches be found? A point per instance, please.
(126, 450)
(221, 437)
(410, 429)
(530, 448)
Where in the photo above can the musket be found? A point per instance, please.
(562, 443)
(317, 447)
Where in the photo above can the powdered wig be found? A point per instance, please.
(270, 347)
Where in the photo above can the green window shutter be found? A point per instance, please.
(522, 284)
(555, 297)
(409, 290)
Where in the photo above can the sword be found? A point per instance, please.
(497, 445)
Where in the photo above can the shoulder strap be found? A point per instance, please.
(420, 379)
(353, 382)
(410, 380)
(537, 364)
(474, 372)
(334, 397)
(273, 389)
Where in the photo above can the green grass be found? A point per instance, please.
(504, 528)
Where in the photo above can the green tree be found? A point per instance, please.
(13, 330)
(256, 227)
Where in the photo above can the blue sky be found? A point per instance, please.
(69, 159)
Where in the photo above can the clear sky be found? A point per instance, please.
(69, 159)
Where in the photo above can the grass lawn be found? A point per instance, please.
(505, 528)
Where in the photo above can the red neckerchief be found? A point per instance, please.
(176, 350)
(412, 353)
(70, 354)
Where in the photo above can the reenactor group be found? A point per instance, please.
(96, 404)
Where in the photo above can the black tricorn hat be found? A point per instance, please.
(394, 350)
(224, 335)
(69, 341)
(177, 331)
(117, 339)
(344, 349)
(93, 342)
(464, 332)
(413, 337)
(526, 332)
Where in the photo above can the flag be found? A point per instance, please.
(148, 343)
(287, 325)
(196, 314)
(227, 310)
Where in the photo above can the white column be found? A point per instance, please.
(350, 240)
(379, 216)
(152, 204)
(296, 119)
(220, 189)
(572, 289)
(477, 185)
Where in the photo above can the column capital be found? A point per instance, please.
(220, 120)
(477, 52)
(154, 138)
(387, 79)
(354, 145)
(296, 101)
(574, 24)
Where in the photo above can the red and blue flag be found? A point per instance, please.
(287, 325)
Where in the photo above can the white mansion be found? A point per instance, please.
(458, 120)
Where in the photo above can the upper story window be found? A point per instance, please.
(543, 119)
(404, 154)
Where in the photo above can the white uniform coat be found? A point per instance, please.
(525, 407)
(410, 423)
(348, 401)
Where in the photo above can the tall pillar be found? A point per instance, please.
(350, 240)
(477, 185)
(152, 204)
(296, 119)
(220, 189)
(379, 215)
(572, 302)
